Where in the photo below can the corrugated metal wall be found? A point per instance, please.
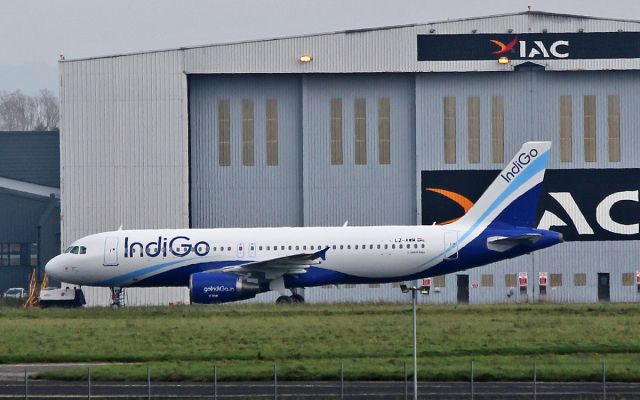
(532, 112)
(369, 194)
(124, 153)
(240, 195)
(394, 48)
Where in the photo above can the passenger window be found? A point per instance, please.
(229, 248)
(423, 245)
(297, 247)
(268, 248)
(341, 247)
(281, 247)
(386, 246)
(260, 248)
(75, 250)
(334, 246)
(393, 246)
(356, 247)
(83, 250)
(400, 246)
(290, 247)
(349, 247)
(311, 247)
(378, 247)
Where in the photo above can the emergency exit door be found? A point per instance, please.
(451, 245)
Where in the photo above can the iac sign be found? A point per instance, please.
(603, 214)
(558, 49)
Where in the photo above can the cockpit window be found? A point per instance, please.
(83, 250)
(68, 250)
(75, 250)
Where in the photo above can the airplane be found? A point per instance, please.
(225, 265)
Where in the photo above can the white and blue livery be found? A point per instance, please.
(223, 265)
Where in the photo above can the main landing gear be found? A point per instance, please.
(295, 298)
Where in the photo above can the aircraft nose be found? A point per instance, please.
(53, 267)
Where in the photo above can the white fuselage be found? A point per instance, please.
(123, 258)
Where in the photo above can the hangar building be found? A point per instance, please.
(29, 200)
(358, 126)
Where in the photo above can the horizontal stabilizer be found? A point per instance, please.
(502, 243)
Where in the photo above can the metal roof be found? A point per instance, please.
(32, 156)
(368, 29)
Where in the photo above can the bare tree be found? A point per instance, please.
(48, 110)
(17, 111)
(20, 112)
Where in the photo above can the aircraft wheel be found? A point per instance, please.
(284, 300)
(296, 298)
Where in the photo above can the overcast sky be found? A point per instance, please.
(34, 32)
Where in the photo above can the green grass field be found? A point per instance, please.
(309, 342)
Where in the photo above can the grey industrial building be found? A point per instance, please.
(356, 126)
(29, 200)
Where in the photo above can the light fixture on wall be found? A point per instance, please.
(306, 58)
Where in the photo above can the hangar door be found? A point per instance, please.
(245, 158)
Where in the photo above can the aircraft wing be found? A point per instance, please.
(275, 267)
(502, 243)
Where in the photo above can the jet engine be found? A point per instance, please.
(217, 287)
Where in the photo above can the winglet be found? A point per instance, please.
(322, 254)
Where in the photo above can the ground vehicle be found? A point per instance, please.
(61, 297)
(15, 293)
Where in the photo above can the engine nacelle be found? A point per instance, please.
(216, 287)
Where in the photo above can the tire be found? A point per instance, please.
(284, 300)
(298, 299)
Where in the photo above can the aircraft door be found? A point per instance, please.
(451, 245)
(110, 251)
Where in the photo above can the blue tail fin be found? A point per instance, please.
(513, 196)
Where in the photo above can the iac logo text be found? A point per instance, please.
(518, 165)
(533, 49)
(179, 246)
(602, 214)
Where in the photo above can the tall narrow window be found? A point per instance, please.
(497, 129)
(613, 106)
(247, 133)
(450, 130)
(336, 132)
(590, 128)
(272, 132)
(566, 127)
(224, 133)
(360, 127)
(473, 116)
(384, 131)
